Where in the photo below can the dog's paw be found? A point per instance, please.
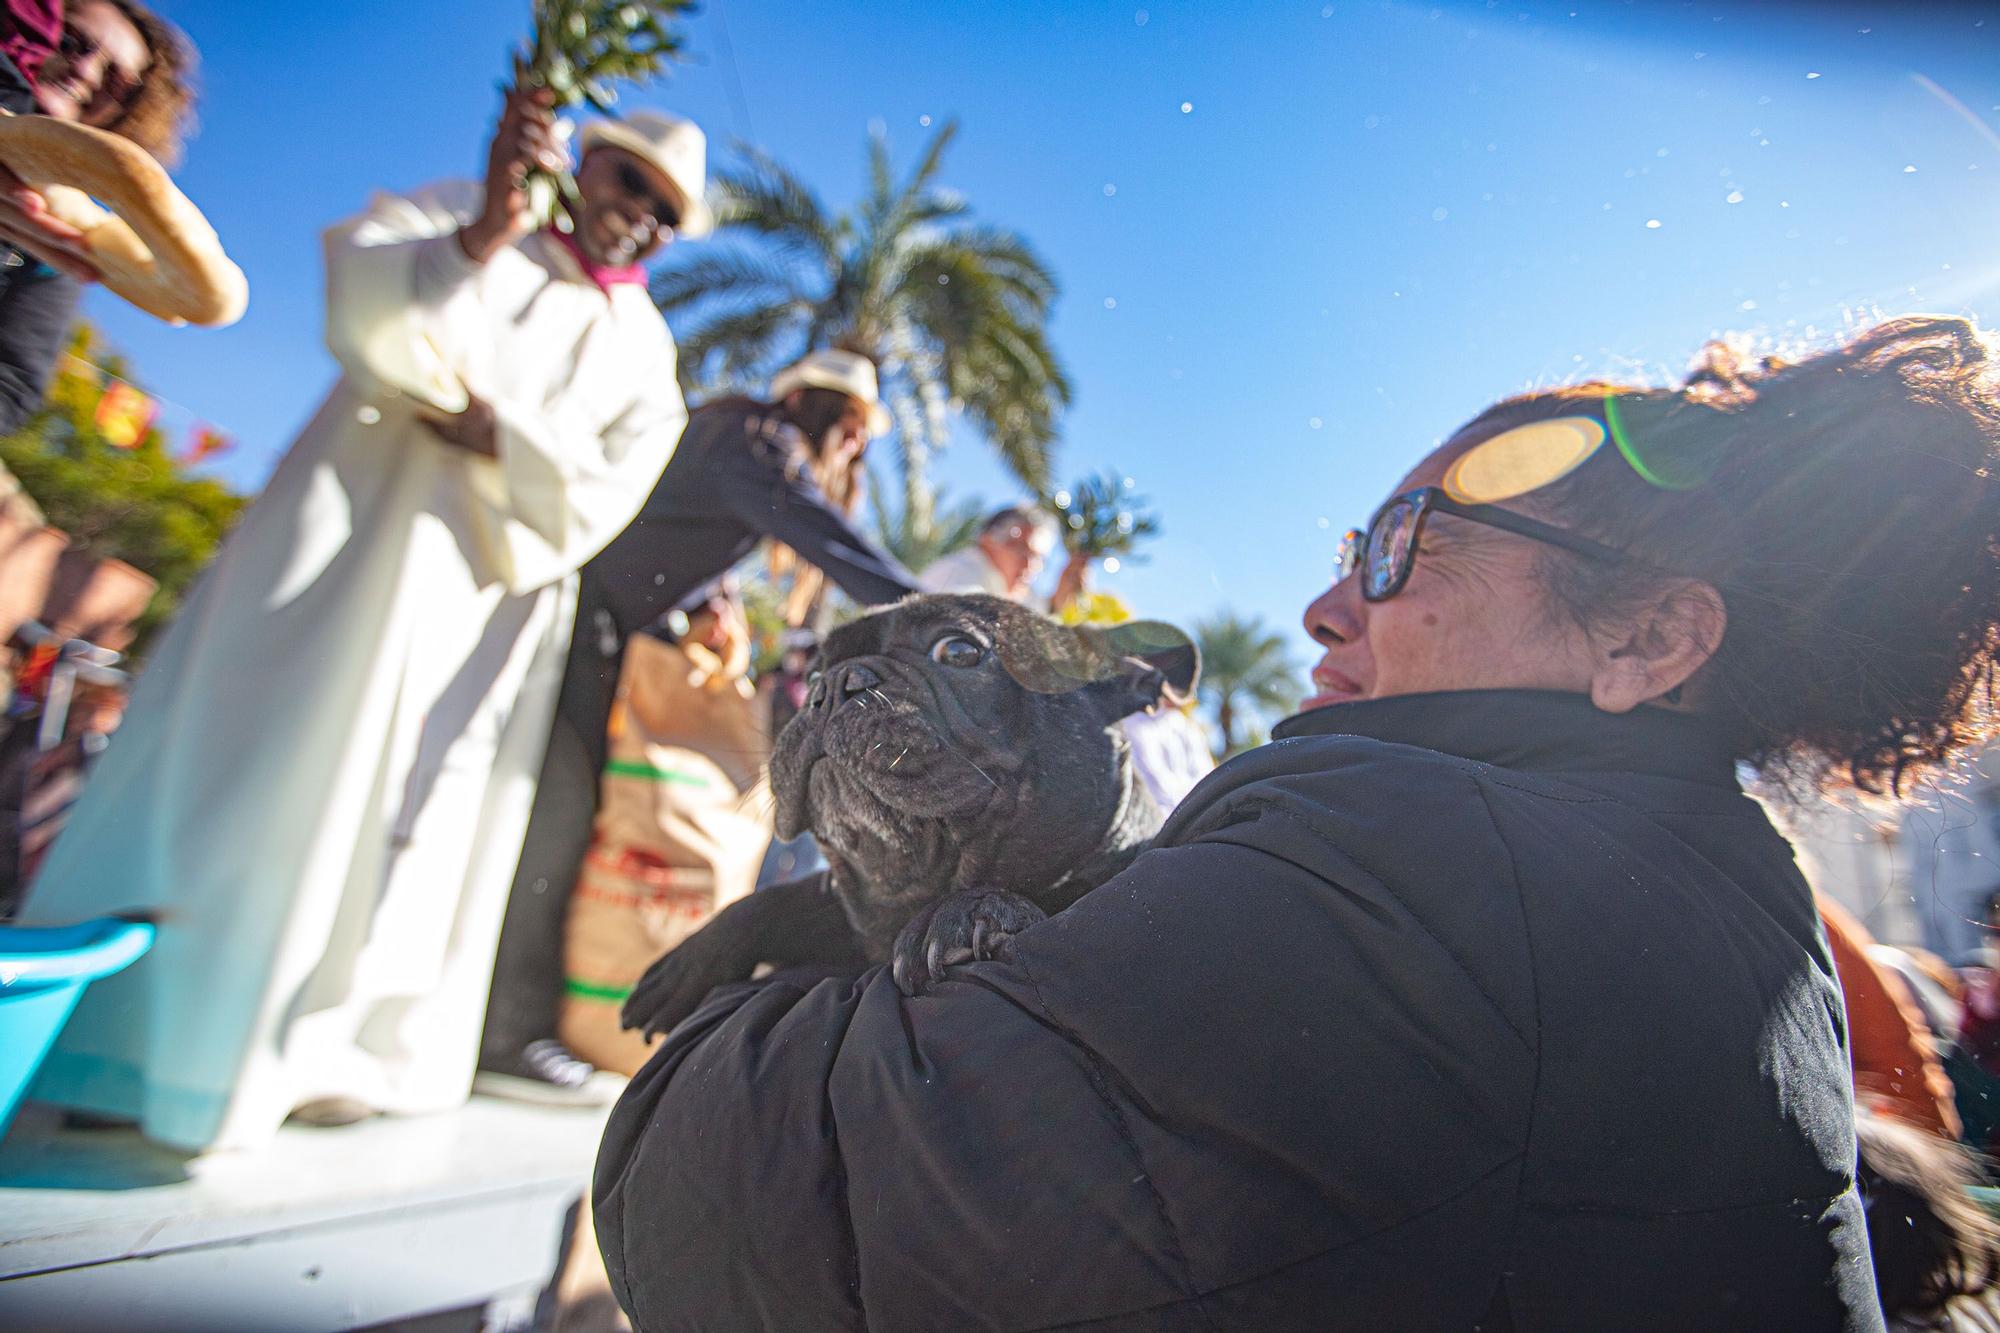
(959, 928)
(675, 986)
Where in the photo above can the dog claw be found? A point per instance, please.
(959, 928)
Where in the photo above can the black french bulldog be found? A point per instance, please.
(960, 762)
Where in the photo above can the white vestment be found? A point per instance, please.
(326, 770)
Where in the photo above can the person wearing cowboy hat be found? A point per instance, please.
(325, 775)
(787, 468)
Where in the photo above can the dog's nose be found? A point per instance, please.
(852, 680)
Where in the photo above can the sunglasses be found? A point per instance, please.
(636, 187)
(114, 82)
(1385, 554)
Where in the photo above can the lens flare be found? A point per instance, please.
(1524, 459)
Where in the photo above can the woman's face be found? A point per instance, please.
(100, 64)
(1474, 615)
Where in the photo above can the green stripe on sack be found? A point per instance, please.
(590, 990)
(629, 768)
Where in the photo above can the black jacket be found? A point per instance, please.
(1481, 1010)
(737, 476)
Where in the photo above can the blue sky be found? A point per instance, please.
(1299, 241)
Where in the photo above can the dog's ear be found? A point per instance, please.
(1147, 664)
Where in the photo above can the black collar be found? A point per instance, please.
(1546, 731)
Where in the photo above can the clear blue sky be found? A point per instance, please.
(1371, 220)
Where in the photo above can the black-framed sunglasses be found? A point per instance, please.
(77, 46)
(1387, 552)
(635, 185)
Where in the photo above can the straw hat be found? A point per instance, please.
(676, 148)
(844, 372)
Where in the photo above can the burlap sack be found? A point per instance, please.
(682, 827)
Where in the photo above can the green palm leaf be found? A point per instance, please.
(955, 312)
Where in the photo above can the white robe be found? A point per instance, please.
(327, 767)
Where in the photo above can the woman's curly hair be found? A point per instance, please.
(1844, 506)
(160, 114)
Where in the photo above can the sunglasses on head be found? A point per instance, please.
(1386, 552)
(77, 45)
(636, 187)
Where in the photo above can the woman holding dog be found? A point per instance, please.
(1484, 998)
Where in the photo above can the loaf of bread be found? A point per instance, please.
(153, 247)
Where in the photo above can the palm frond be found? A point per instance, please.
(738, 349)
(716, 273)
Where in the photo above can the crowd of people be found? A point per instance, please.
(1484, 998)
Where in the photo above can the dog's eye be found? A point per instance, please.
(955, 650)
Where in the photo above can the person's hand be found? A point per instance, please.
(1069, 584)
(27, 225)
(475, 430)
(524, 140)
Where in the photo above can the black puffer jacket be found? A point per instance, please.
(1481, 1010)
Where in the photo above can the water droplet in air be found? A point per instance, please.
(1076, 520)
(1062, 499)
(923, 120)
(1186, 107)
(1652, 224)
(1733, 197)
(1128, 483)
(1314, 422)
(1326, 11)
(369, 414)
(1142, 18)
(1812, 74)
(1109, 189)
(1909, 171)
(1322, 523)
(944, 279)
(1111, 565)
(1371, 122)
(1747, 305)
(1110, 303)
(1440, 214)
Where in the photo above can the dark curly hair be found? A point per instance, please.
(1844, 506)
(160, 113)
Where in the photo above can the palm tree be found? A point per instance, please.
(953, 524)
(954, 312)
(1244, 666)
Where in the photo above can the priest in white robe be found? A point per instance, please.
(329, 760)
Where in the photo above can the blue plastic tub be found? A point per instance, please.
(43, 970)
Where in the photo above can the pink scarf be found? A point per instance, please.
(604, 275)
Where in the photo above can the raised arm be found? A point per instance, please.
(784, 503)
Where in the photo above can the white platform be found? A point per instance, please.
(324, 1229)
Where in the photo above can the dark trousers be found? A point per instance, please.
(15, 94)
(528, 969)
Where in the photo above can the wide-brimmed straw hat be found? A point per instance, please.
(844, 372)
(676, 148)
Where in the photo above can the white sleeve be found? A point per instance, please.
(563, 489)
(388, 272)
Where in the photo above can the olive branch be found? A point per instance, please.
(581, 49)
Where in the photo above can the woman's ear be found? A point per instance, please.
(1660, 647)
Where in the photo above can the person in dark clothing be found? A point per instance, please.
(112, 64)
(744, 471)
(1482, 998)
